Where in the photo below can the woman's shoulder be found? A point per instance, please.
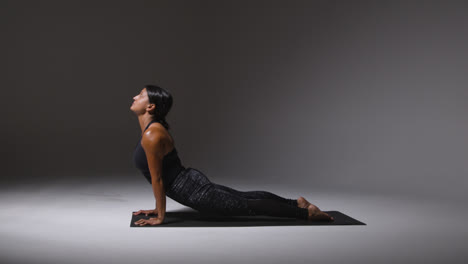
(156, 134)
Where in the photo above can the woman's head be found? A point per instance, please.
(154, 100)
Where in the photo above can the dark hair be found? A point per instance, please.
(163, 101)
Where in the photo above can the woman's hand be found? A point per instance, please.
(147, 212)
(152, 221)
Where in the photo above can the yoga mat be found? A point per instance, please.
(197, 219)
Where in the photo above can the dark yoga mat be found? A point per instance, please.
(196, 219)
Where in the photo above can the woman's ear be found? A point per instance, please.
(150, 108)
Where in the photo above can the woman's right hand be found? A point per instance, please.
(147, 212)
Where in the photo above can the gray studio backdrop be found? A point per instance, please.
(359, 96)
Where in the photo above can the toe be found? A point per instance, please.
(324, 216)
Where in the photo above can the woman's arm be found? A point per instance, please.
(152, 143)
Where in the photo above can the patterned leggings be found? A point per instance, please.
(193, 189)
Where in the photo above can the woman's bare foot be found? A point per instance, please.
(302, 202)
(316, 214)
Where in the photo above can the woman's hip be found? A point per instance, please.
(189, 186)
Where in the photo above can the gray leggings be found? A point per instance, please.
(193, 189)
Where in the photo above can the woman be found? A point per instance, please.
(156, 156)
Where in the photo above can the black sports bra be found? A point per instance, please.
(172, 165)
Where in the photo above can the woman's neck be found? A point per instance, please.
(144, 120)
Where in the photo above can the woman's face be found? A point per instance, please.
(140, 102)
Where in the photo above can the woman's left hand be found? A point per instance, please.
(152, 221)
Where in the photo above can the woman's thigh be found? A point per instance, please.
(193, 189)
(189, 187)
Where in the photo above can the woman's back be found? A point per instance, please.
(172, 165)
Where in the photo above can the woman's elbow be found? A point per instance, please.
(156, 180)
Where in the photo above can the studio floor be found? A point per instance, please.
(88, 222)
